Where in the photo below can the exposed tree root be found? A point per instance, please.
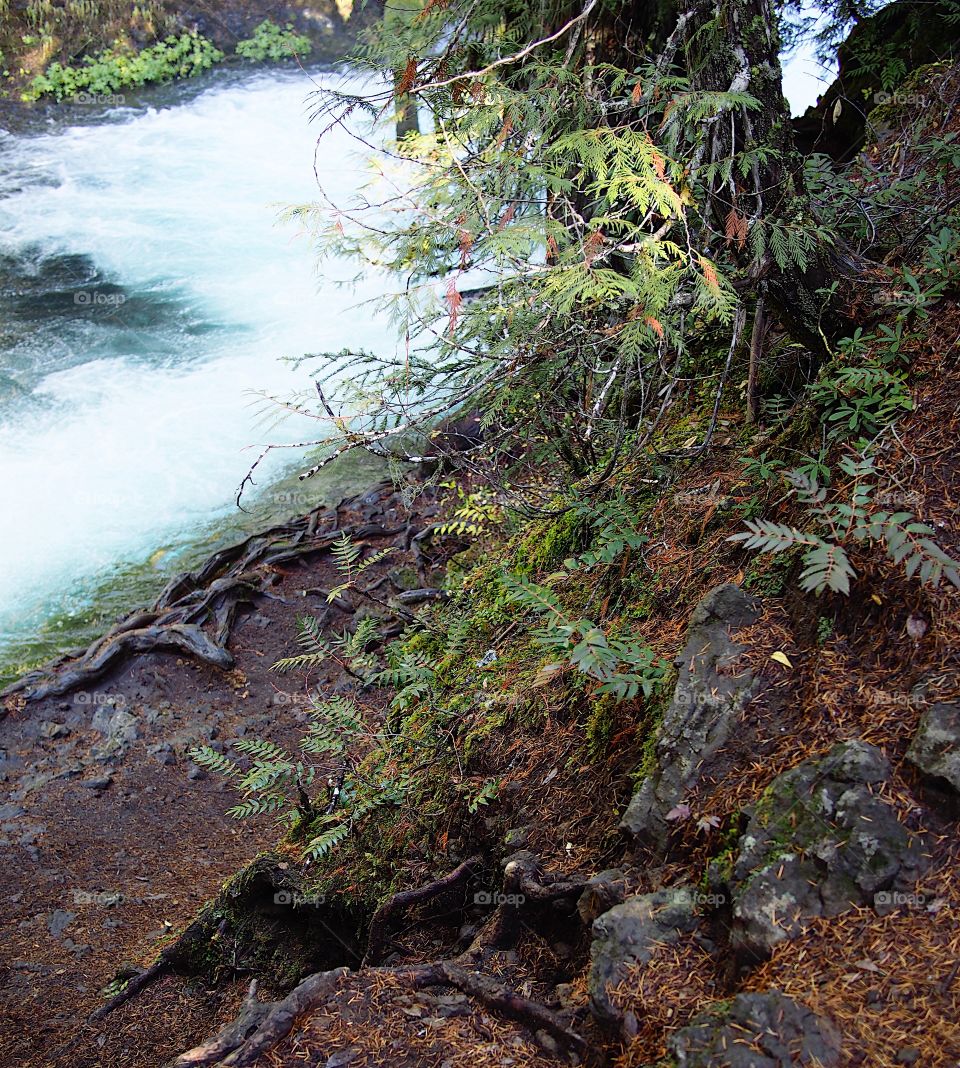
(103, 654)
(525, 884)
(236, 1047)
(213, 595)
(379, 924)
(253, 1012)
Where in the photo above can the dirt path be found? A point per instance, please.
(111, 838)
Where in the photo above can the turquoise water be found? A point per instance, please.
(146, 291)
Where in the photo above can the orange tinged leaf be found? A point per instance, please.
(406, 80)
(466, 244)
(507, 216)
(637, 93)
(710, 274)
(432, 5)
(736, 228)
(655, 325)
(592, 246)
(454, 300)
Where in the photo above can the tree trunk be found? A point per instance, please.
(733, 45)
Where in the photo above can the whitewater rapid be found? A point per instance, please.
(146, 289)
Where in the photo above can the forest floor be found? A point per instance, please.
(112, 837)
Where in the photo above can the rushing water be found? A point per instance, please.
(146, 288)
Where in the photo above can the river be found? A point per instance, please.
(146, 290)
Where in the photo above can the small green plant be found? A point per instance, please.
(860, 401)
(615, 529)
(118, 68)
(838, 523)
(278, 782)
(273, 42)
(624, 668)
(488, 792)
(348, 557)
(759, 468)
(347, 650)
(476, 513)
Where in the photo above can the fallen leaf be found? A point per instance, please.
(781, 658)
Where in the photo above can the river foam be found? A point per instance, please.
(145, 289)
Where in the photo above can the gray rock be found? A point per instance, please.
(517, 837)
(627, 934)
(710, 695)
(59, 920)
(756, 1031)
(50, 729)
(603, 892)
(163, 752)
(99, 782)
(935, 748)
(818, 842)
(119, 729)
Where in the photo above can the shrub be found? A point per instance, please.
(118, 68)
(273, 42)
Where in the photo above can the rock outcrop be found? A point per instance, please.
(819, 841)
(935, 749)
(711, 693)
(756, 1031)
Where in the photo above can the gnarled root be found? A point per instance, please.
(212, 594)
(236, 1046)
(525, 885)
(379, 923)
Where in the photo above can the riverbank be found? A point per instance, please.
(113, 838)
(134, 401)
(34, 36)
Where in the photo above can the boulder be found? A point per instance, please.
(627, 934)
(710, 695)
(603, 892)
(818, 842)
(767, 1030)
(935, 749)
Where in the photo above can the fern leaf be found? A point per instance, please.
(827, 567)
